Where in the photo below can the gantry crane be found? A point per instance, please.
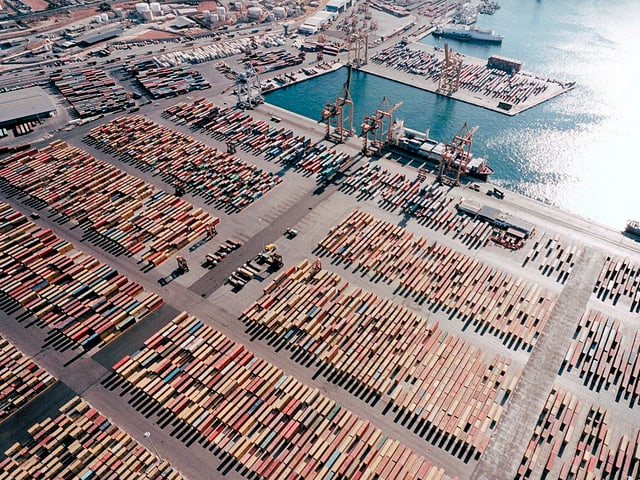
(369, 126)
(450, 68)
(340, 113)
(359, 44)
(248, 88)
(374, 125)
(456, 155)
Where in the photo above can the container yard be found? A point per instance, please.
(162, 82)
(69, 444)
(22, 379)
(276, 143)
(43, 276)
(296, 312)
(435, 274)
(222, 179)
(269, 424)
(92, 92)
(132, 215)
(217, 289)
(492, 84)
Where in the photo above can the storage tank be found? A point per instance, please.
(221, 10)
(104, 17)
(117, 12)
(142, 7)
(254, 13)
(155, 8)
(206, 14)
(279, 12)
(98, 19)
(213, 18)
(144, 11)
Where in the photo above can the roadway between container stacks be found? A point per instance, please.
(514, 429)
(193, 461)
(215, 278)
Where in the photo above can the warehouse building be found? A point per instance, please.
(27, 104)
(339, 6)
(90, 40)
(316, 22)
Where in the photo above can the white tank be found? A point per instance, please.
(117, 12)
(279, 12)
(104, 17)
(238, 5)
(214, 18)
(254, 12)
(155, 8)
(221, 18)
(144, 11)
(98, 19)
(221, 10)
(206, 14)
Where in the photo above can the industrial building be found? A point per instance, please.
(24, 105)
(316, 22)
(92, 39)
(338, 5)
(515, 226)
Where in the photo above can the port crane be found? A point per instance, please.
(450, 69)
(374, 125)
(456, 155)
(359, 44)
(340, 113)
(248, 88)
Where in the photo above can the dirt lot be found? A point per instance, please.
(37, 5)
(155, 35)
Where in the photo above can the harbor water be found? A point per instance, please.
(576, 151)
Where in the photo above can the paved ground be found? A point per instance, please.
(523, 408)
(298, 203)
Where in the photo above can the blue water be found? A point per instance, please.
(578, 151)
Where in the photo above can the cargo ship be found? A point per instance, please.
(466, 33)
(633, 228)
(421, 146)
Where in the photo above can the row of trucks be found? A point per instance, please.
(253, 267)
(243, 275)
(213, 259)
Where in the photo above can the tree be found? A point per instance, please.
(104, 7)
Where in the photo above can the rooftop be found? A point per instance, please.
(22, 103)
(95, 38)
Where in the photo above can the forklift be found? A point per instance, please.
(270, 256)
